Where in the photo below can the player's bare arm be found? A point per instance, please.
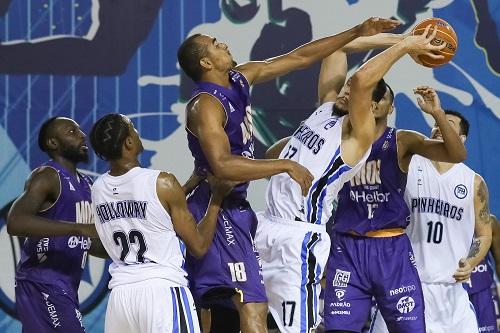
(275, 150)
(192, 182)
(197, 237)
(495, 242)
(97, 249)
(307, 54)
(206, 119)
(42, 189)
(451, 149)
(482, 232)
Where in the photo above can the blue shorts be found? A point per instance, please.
(231, 265)
(44, 308)
(360, 268)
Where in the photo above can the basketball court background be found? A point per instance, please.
(90, 57)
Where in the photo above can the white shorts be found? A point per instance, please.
(293, 256)
(151, 306)
(447, 310)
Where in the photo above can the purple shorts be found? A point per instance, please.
(45, 308)
(360, 268)
(484, 306)
(232, 263)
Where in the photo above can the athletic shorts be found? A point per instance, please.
(360, 268)
(232, 264)
(293, 256)
(151, 306)
(484, 304)
(46, 308)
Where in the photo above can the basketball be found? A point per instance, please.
(445, 34)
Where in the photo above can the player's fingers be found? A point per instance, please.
(420, 102)
(433, 55)
(426, 31)
(432, 35)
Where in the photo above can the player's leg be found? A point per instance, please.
(224, 320)
(44, 308)
(397, 286)
(347, 298)
(485, 310)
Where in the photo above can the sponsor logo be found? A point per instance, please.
(406, 318)
(341, 278)
(341, 304)
(340, 293)
(412, 259)
(403, 289)
(487, 329)
(51, 309)
(460, 191)
(228, 229)
(480, 268)
(84, 242)
(405, 304)
(340, 312)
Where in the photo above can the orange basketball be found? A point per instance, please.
(445, 34)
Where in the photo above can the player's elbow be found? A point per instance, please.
(362, 80)
(458, 155)
(14, 227)
(199, 251)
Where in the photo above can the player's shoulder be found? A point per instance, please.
(44, 174)
(166, 179)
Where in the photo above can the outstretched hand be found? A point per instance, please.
(375, 25)
(428, 101)
(422, 45)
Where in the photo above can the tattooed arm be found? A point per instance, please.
(482, 232)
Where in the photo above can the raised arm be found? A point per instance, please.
(274, 151)
(41, 191)
(367, 76)
(197, 237)
(307, 54)
(334, 67)
(206, 120)
(451, 149)
(482, 232)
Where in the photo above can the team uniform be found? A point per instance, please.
(291, 234)
(231, 264)
(441, 232)
(50, 269)
(370, 254)
(149, 288)
(481, 295)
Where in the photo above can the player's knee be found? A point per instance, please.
(254, 311)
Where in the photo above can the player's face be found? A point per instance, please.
(219, 54)
(342, 101)
(135, 136)
(454, 122)
(72, 143)
(384, 107)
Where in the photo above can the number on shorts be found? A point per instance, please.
(291, 305)
(238, 273)
(134, 237)
(435, 232)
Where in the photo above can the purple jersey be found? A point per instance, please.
(481, 277)
(373, 199)
(238, 127)
(59, 261)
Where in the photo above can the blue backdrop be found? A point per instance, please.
(83, 59)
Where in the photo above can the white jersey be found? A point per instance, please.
(135, 229)
(442, 217)
(316, 146)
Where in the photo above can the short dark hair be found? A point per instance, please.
(44, 131)
(464, 123)
(108, 135)
(189, 54)
(379, 91)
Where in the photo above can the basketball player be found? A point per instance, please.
(291, 237)
(54, 214)
(480, 284)
(145, 226)
(449, 206)
(220, 136)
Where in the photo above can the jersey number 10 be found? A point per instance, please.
(435, 232)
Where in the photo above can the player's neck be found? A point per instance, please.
(219, 78)
(68, 165)
(442, 167)
(122, 166)
(380, 125)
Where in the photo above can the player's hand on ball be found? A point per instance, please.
(429, 100)
(421, 44)
(462, 274)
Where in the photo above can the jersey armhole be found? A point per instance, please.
(192, 98)
(60, 190)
